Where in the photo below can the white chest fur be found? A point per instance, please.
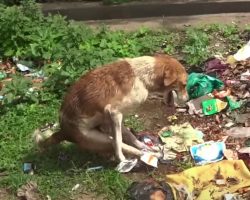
(137, 95)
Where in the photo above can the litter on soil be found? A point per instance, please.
(213, 106)
(218, 141)
(150, 159)
(222, 177)
(182, 137)
(215, 67)
(239, 132)
(126, 166)
(201, 84)
(29, 168)
(8, 69)
(242, 54)
(207, 152)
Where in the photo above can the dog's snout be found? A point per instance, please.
(183, 96)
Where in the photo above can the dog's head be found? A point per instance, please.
(175, 78)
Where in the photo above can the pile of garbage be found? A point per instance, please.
(222, 166)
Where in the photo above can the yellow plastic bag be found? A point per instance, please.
(202, 180)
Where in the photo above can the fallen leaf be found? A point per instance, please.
(28, 191)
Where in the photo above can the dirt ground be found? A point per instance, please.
(5, 195)
(241, 19)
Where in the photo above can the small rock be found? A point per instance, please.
(75, 187)
(229, 124)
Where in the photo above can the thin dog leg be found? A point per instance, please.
(116, 124)
(117, 128)
(130, 139)
(127, 137)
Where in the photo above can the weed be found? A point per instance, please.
(17, 90)
(196, 46)
(134, 122)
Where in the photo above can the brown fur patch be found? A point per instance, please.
(99, 87)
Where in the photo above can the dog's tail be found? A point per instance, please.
(47, 138)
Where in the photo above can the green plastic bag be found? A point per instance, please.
(200, 84)
(233, 104)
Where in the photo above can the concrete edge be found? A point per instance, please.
(95, 11)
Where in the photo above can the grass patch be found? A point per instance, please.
(134, 122)
(59, 169)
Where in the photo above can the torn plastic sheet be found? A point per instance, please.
(126, 165)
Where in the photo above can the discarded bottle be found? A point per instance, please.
(213, 106)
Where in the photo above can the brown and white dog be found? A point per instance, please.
(105, 94)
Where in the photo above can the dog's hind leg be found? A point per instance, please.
(95, 140)
(45, 140)
(130, 139)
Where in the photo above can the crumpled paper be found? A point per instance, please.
(184, 136)
(181, 138)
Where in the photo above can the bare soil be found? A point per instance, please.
(5, 195)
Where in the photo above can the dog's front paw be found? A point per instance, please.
(121, 157)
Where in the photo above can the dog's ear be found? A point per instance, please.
(170, 76)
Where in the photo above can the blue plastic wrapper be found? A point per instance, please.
(208, 152)
(28, 168)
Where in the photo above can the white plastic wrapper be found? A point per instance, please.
(126, 166)
(243, 53)
(150, 159)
